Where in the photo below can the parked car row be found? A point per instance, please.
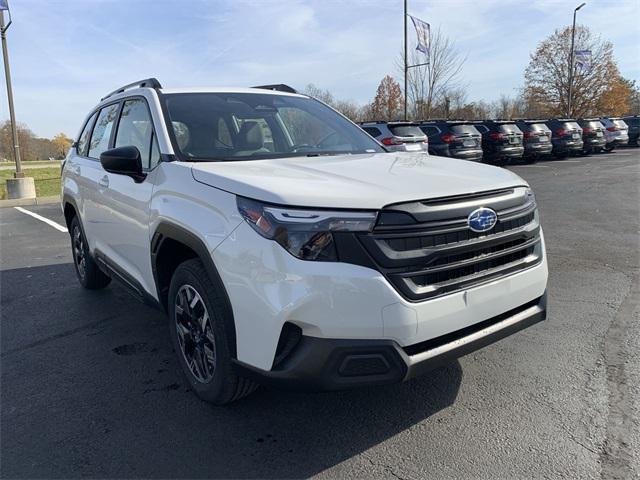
(502, 141)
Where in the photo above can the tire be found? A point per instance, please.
(203, 353)
(87, 271)
(608, 149)
(499, 162)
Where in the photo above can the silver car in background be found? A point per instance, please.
(617, 132)
(398, 136)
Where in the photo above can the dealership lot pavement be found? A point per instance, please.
(90, 386)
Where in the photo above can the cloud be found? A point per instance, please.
(66, 56)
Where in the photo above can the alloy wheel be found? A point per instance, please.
(195, 333)
(78, 251)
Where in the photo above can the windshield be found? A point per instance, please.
(620, 124)
(251, 126)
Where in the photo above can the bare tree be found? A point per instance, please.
(316, 92)
(426, 85)
(348, 108)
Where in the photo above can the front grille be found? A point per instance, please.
(440, 254)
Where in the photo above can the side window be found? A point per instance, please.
(482, 128)
(373, 131)
(155, 152)
(431, 131)
(261, 123)
(102, 131)
(224, 135)
(135, 129)
(83, 141)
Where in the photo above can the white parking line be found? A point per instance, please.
(51, 223)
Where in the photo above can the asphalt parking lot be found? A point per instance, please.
(91, 388)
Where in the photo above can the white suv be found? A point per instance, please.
(288, 247)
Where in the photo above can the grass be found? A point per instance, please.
(47, 180)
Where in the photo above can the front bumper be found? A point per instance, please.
(268, 288)
(319, 364)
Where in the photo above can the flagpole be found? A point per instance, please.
(406, 63)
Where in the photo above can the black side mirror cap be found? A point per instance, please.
(123, 161)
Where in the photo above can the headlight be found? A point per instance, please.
(306, 234)
(530, 195)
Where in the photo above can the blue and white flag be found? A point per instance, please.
(423, 32)
(4, 5)
(583, 61)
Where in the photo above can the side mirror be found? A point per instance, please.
(123, 161)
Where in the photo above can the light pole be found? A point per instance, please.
(19, 186)
(571, 53)
(406, 63)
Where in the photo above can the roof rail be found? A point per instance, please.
(147, 82)
(279, 87)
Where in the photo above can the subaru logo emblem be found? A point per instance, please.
(482, 219)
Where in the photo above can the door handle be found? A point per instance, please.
(104, 182)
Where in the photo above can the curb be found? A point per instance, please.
(22, 202)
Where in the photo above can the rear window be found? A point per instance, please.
(510, 128)
(539, 127)
(406, 130)
(620, 123)
(593, 124)
(373, 131)
(464, 129)
(572, 126)
(633, 122)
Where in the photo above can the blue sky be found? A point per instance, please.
(66, 54)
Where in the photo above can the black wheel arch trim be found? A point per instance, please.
(69, 200)
(168, 230)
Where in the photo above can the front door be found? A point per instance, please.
(126, 233)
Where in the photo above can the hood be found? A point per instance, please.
(368, 181)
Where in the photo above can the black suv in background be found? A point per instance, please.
(537, 139)
(451, 138)
(593, 135)
(398, 136)
(633, 122)
(566, 136)
(501, 141)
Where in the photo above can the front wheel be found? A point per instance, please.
(200, 338)
(87, 271)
